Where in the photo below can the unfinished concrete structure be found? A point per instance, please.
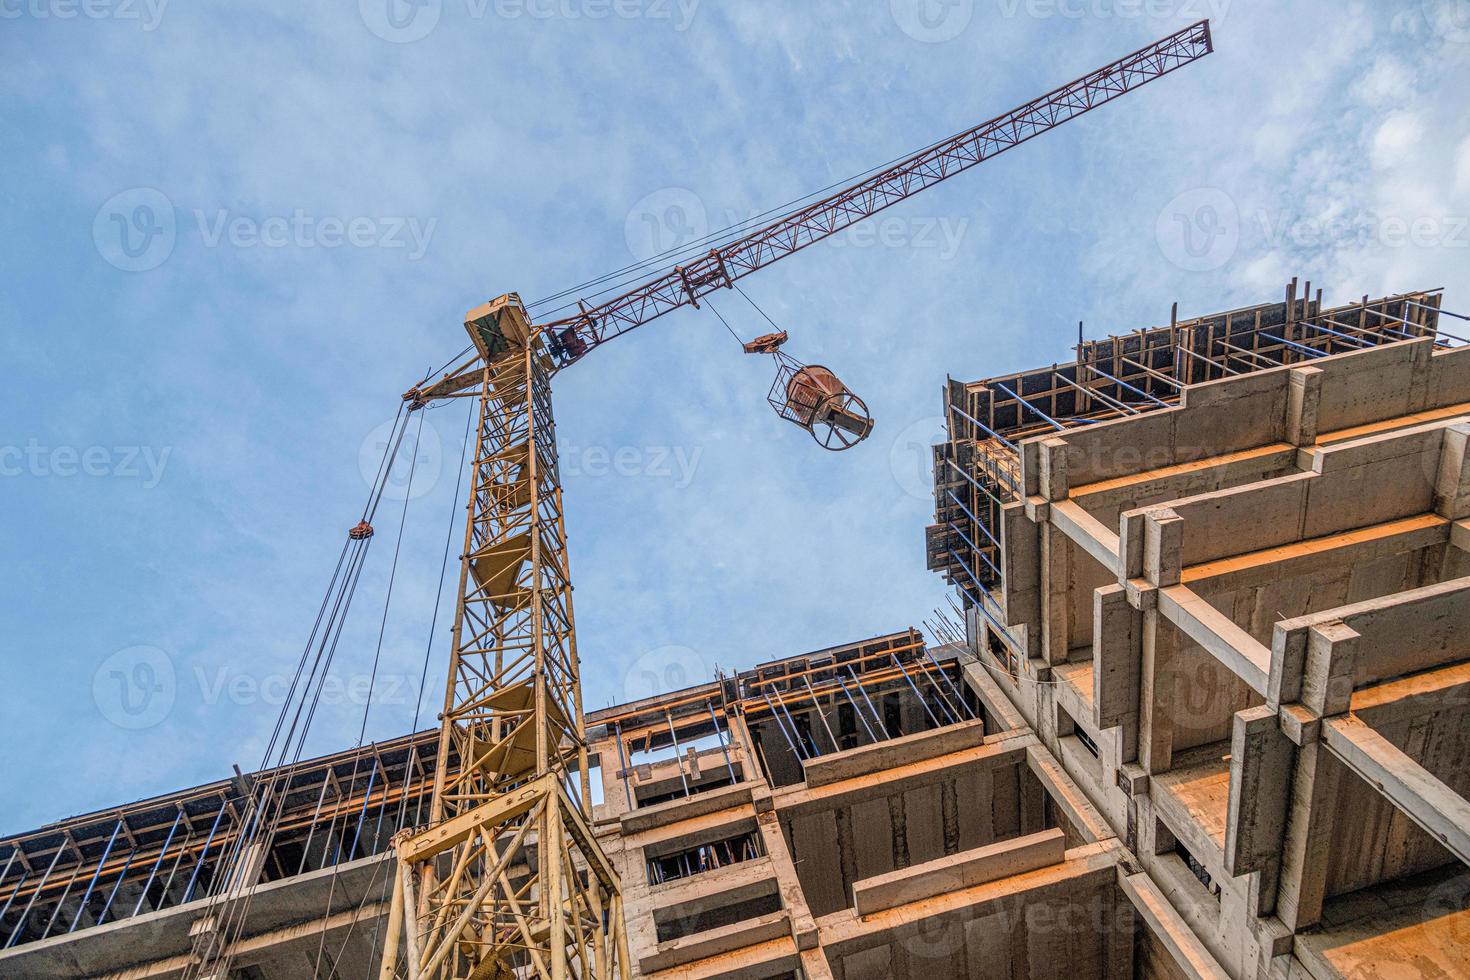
(1221, 569)
(1205, 716)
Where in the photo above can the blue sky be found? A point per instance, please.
(315, 193)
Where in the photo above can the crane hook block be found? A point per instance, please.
(361, 532)
(766, 343)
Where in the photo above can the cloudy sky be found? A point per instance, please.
(235, 233)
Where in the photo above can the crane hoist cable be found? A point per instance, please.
(367, 706)
(263, 807)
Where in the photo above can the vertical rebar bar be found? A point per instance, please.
(790, 742)
(721, 736)
(922, 703)
(311, 831)
(96, 874)
(678, 763)
(817, 705)
(102, 916)
(869, 702)
(796, 732)
(623, 764)
(949, 683)
(159, 863)
(856, 710)
(366, 798)
(194, 878)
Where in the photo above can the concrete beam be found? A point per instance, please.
(964, 870)
(1088, 533)
(1439, 810)
(1064, 794)
(1401, 634)
(712, 942)
(245, 950)
(1006, 749)
(1194, 961)
(685, 808)
(1085, 869)
(1429, 693)
(1218, 634)
(894, 752)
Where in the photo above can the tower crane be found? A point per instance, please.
(507, 880)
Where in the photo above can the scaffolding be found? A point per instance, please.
(168, 851)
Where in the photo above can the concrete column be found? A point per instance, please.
(1260, 782)
(1303, 397)
(1117, 651)
(1452, 485)
(1309, 827)
(1056, 624)
(803, 926)
(1158, 694)
(1327, 681)
(1163, 547)
(1055, 481)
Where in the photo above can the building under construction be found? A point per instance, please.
(1200, 708)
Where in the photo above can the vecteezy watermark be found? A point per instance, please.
(674, 218)
(669, 219)
(911, 457)
(661, 670)
(138, 687)
(674, 464)
(404, 21)
(136, 230)
(943, 235)
(418, 459)
(304, 230)
(228, 685)
(143, 463)
(1192, 10)
(1450, 19)
(135, 687)
(1362, 230)
(148, 13)
(932, 21)
(1199, 230)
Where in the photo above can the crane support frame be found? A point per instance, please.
(507, 879)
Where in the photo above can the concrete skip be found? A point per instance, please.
(958, 871)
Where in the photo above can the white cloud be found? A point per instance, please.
(1396, 140)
